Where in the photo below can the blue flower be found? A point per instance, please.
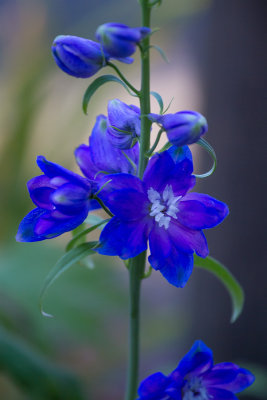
(77, 56)
(124, 124)
(100, 157)
(159, 210)
(197, 378)
(63, 200)
(119, 41)
(182, 128)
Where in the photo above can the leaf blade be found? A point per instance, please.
(158, 97)
(228, 280)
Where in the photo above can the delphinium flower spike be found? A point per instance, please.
(197, 378)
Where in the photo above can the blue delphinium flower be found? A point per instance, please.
(197, 378)
(119, 40)
(77, 56)
(160, 210)
(183, 127)
(124, 124)
(63, 200)
(100, 157)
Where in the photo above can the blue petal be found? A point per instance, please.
(242, 378)
(53, 170)
(200, 211)
(41, 189)
(118, 182)
(123, 239)
(182, 155)
(26, 227)
(199, 359)
(70, 199)
(84, 160)
(153, 387)
(221, 394)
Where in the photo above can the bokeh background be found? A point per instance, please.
(218, 67)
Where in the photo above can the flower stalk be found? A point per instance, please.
(137, 264)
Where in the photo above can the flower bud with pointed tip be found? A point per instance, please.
(124, 124)
(119, 40)
(183, 127)
(77, 56)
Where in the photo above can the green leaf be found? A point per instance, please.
(203, 143)
(161, 52)
(92, 88)
(93, 219)
(221, 272)
(64, 263)
(79, 235)
(159, 100)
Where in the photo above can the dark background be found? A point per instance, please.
(217, 66)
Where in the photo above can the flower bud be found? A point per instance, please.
(119, 40)
(183, 127)
(124, 124)
(77, 56)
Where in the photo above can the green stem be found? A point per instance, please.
(123, 78)
(150, 152)
(137, 264)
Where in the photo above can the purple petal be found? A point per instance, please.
(221, 394)
(84, 160)
(182, 155)
(188, 240)
(26, 227)
(123, 239)
(41, 189)
(241, 381)
(118, 182)
(153, 387)
(200, 211)
(70, 199)
(53, 170)
(199, 359)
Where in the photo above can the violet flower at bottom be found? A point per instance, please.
(197, 378)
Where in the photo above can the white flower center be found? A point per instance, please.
(194, 390)
(163, 207)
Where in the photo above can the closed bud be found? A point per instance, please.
(119, 40)
(183, 127)
(77, 56)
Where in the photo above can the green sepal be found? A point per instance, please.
(206, 146)
(158, 97)
(83, 233)
(63, 264)
(97, 83)
(228, 280)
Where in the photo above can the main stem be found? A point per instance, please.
(137, 264)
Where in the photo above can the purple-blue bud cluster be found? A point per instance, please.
(83, 58)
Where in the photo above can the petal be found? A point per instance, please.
(84, 160)
(198, 360)
(188, 240)
(241, 381)
(182, 155)
(53, 170)
(153, 387)
(128, 204)
(40, 190)
(162, 171)
(123, 239)
(221, 394)
(124, 117)
(176, 266)
(70, 199)
(200, 211)
(215, 377)
(118, 182)
(26, 227)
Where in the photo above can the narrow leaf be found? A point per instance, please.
(159, 100)
(64, 263)
(203, 143)
(79, 235)
(228, 280)
(161, 52)
(97, 83)
(93, 219)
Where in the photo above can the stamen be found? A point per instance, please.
(163, 208)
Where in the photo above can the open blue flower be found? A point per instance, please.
(124, 124)
(197, 378)
(100, 157)
(119, 41)
(183, 127)
(159, 210)
(63, 200)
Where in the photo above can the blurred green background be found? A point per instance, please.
(216, 66)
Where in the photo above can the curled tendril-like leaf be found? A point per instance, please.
(203, 143)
